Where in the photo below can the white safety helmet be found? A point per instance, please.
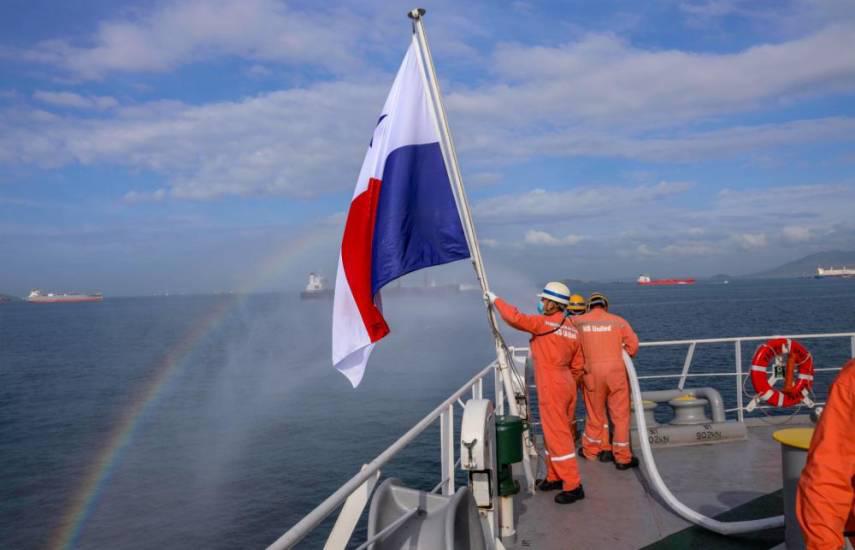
(557, 292)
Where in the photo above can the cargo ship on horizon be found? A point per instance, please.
(841, 272)
(316, 288)
(645, 280)
(36, 296)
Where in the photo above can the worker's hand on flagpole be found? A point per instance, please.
(490, 297)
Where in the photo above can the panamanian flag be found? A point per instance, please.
(403, 217)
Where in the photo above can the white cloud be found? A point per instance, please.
(134, 197)
(336, 219)
(691, 249)
(307, 141)
(488, 138)
(688, 146)
(77, 101)
(596, 97)
(793, 16)
(540, 204)
(259, 71)
(813, 205)
(191, 30)
(479, 179)
(300, 142)
(736, 223)
(542, 238)
(601, 96)
(710, 8)
(644, 250)
(602, 78)
(797, 233)
(750, 241)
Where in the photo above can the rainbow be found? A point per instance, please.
(86, 497)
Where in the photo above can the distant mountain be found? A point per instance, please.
(806, 267)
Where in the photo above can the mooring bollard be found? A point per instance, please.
(689, 410)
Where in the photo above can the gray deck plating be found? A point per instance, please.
(618, 511)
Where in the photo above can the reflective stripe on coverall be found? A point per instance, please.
(604, 337)
(825, 502)
(555, 356)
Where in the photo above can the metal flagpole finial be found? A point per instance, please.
(416, 14)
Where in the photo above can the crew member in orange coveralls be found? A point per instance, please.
(604, 337)
(555, 353)
(825, 502)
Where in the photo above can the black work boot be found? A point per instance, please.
(605, 456)
(568, 497)
(581, 453)
(546, 485)
(631, 464)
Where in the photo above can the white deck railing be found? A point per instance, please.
(738, 372)
(354, 493)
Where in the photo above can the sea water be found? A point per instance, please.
(218, 421)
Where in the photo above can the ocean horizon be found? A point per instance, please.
(219, 421)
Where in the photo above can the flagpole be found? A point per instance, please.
(517, 397)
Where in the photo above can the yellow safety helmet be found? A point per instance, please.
(598, 299)
(577, 305)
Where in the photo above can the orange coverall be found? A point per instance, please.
(604, 337)
(825, 502)
(555, 356)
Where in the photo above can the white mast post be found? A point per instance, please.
(516, 396)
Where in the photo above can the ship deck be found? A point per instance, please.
(734, 480)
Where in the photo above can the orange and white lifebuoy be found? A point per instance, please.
(797, 357)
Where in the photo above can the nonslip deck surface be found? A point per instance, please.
(736, 480)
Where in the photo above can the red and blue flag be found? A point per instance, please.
(403, 216)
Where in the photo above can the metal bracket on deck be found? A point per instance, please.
(752, 404)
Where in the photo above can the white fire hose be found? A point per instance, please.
(720, 527)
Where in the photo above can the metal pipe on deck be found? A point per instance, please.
(658, 485)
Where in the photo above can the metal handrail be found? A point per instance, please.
(744, 339)
(314, 518)
(738, 372)
(712, 374)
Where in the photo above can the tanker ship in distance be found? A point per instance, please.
(645, 280)
(38, 297)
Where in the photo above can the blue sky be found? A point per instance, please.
(184, 145)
